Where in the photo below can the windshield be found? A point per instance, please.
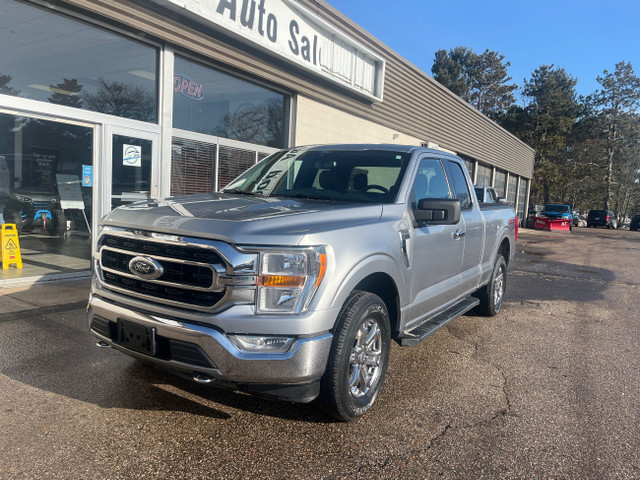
(557, 209)
(358, 176)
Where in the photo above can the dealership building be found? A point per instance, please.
(105, 102)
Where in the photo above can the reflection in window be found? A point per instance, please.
(430, 182)
(461, 189)
(211, 102)
(47, 57)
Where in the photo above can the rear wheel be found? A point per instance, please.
(492, 294)
(358, 359)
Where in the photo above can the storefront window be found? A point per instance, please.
(500, 183)
(484, 176)
(46, 179)
(522, 197)
(210, 102)
(54, 59)
(131, 170)
(511, 191)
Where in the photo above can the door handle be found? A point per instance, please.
(459, 234)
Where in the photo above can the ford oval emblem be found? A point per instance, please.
(145, 268)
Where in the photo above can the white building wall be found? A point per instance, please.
(317, 123)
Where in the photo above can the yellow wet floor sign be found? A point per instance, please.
(10, 246)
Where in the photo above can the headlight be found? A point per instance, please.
(288, 279)
(22, 198)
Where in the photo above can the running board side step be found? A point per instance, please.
(418, 333)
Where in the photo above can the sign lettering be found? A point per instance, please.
(284, 28)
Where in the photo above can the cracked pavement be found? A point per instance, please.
(549, 388)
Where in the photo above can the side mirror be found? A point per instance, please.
(502, 200)
(437, 211)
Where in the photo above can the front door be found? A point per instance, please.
(437, 251)
(133, 166)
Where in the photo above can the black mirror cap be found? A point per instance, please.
(437, 211)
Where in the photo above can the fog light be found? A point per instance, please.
(251, 343)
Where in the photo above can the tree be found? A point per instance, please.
(67, 93)
(449, 69)
(619, 97)
(4, 85)
(262, 124)
(118, 98)
(480, 80)
(545, 124)
(490, 92)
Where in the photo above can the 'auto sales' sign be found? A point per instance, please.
(287, 29)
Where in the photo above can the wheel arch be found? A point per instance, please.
(383, 286)
(382, 276)
(504, 249)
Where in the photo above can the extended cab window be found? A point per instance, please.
(459, 184)
(430, 182)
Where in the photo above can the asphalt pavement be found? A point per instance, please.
(549, 388)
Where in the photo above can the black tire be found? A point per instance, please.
(492, 294)
(57, 226)
(356, 369)
(12, 215)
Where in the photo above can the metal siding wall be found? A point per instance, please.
(414, 103)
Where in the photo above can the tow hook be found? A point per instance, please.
(203, 378)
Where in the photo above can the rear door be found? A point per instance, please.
(474, 225)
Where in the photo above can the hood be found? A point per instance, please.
(556, 215)
(242, 219)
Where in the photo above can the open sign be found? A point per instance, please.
(187, 87)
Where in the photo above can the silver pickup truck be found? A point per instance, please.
(294, 279)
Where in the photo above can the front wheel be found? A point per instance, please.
(358, 359)
(14, 216)
(57, 226)
(492, 294)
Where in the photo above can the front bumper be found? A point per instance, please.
(202, 352)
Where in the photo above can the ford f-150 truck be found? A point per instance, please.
(293, 280)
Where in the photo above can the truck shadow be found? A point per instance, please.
(532, 277)
(35, 353)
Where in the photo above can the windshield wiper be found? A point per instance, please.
(239, 192)
(304, 195)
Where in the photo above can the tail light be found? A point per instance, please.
(516, 229)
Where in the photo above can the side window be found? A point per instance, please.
(460, 187)
(430, 182)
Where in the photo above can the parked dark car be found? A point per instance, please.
(601, 218)
(635, 223)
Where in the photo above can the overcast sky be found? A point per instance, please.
(585, 37)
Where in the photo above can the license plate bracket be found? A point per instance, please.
(136, 336)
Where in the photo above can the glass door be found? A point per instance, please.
(132, 156)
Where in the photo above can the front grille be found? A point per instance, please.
(180, 273)
(188, 279)
(161, 292)
(41, 205)
(146, 247)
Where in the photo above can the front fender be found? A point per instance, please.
(371, 265)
